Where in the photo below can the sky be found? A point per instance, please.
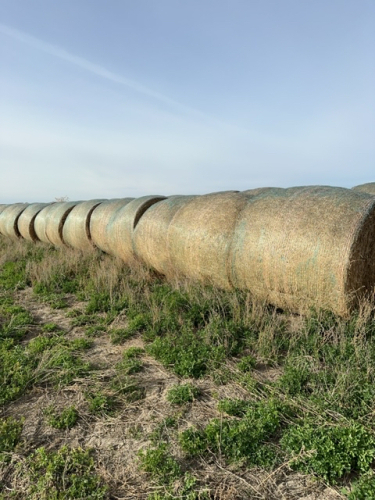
(110, 99)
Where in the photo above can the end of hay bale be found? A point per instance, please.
(27, 219)
(76, 228)
(9, 219)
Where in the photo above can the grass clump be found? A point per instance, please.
(182, 394)
(100, 403)
(62, 474)
(10, 433)
(65, 420)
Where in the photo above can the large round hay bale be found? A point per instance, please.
(200, 234)
(9, 218)
(50, 220)
(76, 230)
(121, 226)
(306, 246)
(366, 188)
(26, 221)
(150, 235)
(262, 191)
(100, 218)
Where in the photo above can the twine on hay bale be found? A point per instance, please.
(9, 218)
(50, 220)
(100, 218)
(306, 246)
(200, 234)
(149, 238)
(27, 219)
(121, 226)
(76, 229)
(366, 188)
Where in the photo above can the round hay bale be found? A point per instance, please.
(306, 246)
(261, 191)
(76, 230)
(149, 238)
(50, 220)
(121, 226)
(100, 218)
(366, 188)
(200, 234)
(26, 221)
(9, 219)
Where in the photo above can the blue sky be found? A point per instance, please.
(124, 98)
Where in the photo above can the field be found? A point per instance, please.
(116, 384)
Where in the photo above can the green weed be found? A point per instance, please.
(10, 433)
(182, 394)
(65, 420)
(64, 474)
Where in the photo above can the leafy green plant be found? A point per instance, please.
(363, 488)
(10, 432)
(181, 394)
(329, 451)
(65, 420)
(100, 403)
(62, 474)
(160, 464)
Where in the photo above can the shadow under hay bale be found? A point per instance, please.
(121, 226)
(366, 188)
(200, 234)
(9, 218)
(27, 219)
(76, 229)
(50, 220)
(306, 246)
(100, 218)
(150, 235)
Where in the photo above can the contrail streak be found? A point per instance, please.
(96, 69)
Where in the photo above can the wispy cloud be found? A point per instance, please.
(96, 69)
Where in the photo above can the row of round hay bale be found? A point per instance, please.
(150, 235)
(49, 222)
(26, 221)
(99, 221)
(76, 229)
(9, 219)
(366, 188)
(306, 246)
(200, 234)
(121, 226)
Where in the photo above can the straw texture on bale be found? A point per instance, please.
(150, 235)
(262, 191)
(26, 221)
(50, 220)
(366, 188)
(9, 219)
(306, 246)
(121, 226)
(100, 218)
(200, 234)
(76, 230)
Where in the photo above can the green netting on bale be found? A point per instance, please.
(26, 221)
(121, 226)
(76, 229)
(306, 246)
(200, 235)
(150, 235)
(9, 219)
(100, 219)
